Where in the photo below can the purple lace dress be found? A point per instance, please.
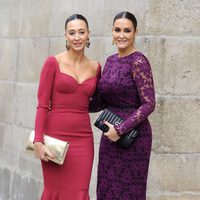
(126, 88)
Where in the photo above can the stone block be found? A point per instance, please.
(173, 17)
(57, 19)
(13, 137)
(8, 50)
(11, 145)
(36, 18)
(175, 124)
(96, 49)
(100, 16)
(155, 50)
(14, 154)
(176, 197)
(2, 135)
(96, 132)
(174, 173)
(93, 182)
(57, 45)
(175, 65)
(181, 65)
(33, 53)
(141, 44)
(9, 157)
(137, 7)
(97, 136)
(4, 183)
(24, 188)
(7, 109)
(109, 49)
(94, 17)
(30, 165)
(10, 18)
(26, 103)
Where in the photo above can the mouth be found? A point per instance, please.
(121, 41)
(77, 44)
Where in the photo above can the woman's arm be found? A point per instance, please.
(44, 96)
(142, 76)
(97, 103)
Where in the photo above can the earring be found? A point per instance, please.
(66, 45)
(88, 43)
(113, 42)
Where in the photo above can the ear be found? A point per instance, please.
(65, 34)
(89, 32)
(112, 31)
(136, 32)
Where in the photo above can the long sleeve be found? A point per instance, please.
(142, 77)
(44, 97)
(97, 102)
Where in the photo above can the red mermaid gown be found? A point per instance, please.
(62, 112)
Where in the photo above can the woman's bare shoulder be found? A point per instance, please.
(59, 56)
(93, 63)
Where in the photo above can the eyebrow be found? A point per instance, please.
(81, 29)
(123, 28)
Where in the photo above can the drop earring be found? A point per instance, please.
(66, 45)
(113, 42)
(88, 43)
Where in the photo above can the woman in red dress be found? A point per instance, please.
(67, 82)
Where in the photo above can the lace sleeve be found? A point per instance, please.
(142, 76)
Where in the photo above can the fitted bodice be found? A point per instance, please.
(62, 101)
(68, 93)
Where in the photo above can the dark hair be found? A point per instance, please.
(76, 16)
(126, 15)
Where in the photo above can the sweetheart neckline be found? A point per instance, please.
(75, 79)
(71, 75)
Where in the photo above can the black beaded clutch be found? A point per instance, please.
(126, 139)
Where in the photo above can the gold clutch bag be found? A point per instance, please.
(57, 147)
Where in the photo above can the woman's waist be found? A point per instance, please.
(66, 109)
(68, 122)
(63, 115)
(125, 109)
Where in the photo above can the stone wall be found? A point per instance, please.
(169, 34)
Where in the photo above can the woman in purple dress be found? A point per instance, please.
(126, 88)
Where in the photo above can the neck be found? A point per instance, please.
(75, 56)
(126, 51)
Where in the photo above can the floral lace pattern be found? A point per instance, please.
(126, 88)
(142, 77)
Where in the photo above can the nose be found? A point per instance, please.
(121, 34)
(76, 36)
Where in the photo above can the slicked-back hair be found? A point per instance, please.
(126, 15)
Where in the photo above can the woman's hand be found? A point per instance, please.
(111, 134)
(41, 151)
